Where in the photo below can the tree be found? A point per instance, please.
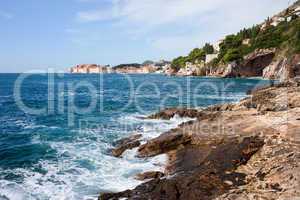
(271, 37)
(255, 31)
(148, 62)
(232, 55)
(196, 55)
(178, 62)
(208, 48)
(214, 62)
(294, 17)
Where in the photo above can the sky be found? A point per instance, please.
(58, 34)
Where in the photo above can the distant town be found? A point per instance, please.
(132, 68)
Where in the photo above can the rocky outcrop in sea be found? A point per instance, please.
(245, 150)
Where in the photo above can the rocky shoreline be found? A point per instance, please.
(246, 150)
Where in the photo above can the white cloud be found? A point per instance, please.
(182, 24)
(5, 15)
(157, 12)
(150, 12)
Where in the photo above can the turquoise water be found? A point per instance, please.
(63, 153)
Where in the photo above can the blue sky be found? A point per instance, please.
(38, 34)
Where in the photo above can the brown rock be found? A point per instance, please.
(117, 152)
(253, 64)
(283, 69)
(149, 175)
(163, 144)
(279, 97)
(218, 157)
(114, 196)
(171, 112)
(208, 113)
(206, 181)
(128, 139)
(126, 144)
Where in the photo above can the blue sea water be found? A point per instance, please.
(63, 152)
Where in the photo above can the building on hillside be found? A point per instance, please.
(217, 45)
(277, 20)
(89, 69)
(297, 11)
(210, 57)
(161, 66)
(265, 25)
(162, 63)
(246, 41)
(94, 69)
(189, 70)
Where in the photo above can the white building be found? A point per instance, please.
(217, 45)
(246, 41)
(297, 11)
(277, 20)
(189, 70)
(89, 69)
(210, 57)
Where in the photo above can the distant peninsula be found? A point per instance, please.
(131, 68)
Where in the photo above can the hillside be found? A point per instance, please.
(265, 46)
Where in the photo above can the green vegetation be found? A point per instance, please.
(285, 37)
(197, 55)
(232, 55)
(208, 48)
(179, 62)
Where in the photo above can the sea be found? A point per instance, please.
(57, 130)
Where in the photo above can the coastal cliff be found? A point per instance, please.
(262, 63)
(269, 50)
(245, 150)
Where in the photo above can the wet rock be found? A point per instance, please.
(207, 180)
(128, 139)
(126, 144)
(117, 152)
(114, 196)
(171, 112)
(207, 113)
(241, 151)
(163, 144)
(149, 175)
